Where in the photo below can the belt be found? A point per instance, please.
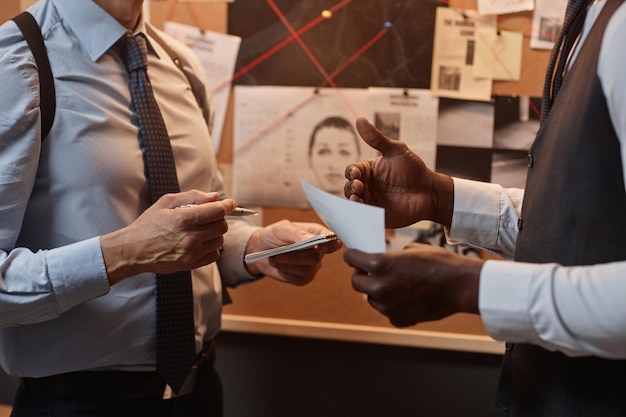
(111, 385)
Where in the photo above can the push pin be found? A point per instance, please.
(387, 25)
(327, 14)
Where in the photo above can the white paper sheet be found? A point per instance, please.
(465, 123)
(498, 55)
(359, 226)
(504, 6)
(409, 115)
(547, 23)
(453, 55)
(274, 144)
(218, 54)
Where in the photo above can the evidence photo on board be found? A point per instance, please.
(465, 123)
(333, 144)
(302, 133)
(516, 121)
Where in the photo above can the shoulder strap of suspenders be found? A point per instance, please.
(32, 34)
(47, 95)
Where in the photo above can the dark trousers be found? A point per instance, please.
(535, 382)
(206, 400)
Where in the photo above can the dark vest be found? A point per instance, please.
(573, 214)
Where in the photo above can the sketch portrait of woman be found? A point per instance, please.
(333, 145)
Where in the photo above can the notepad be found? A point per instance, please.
(303, 244)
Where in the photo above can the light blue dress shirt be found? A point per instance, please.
(57, 311)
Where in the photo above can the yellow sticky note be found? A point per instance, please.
(498, 55)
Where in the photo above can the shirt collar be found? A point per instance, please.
(95, 29)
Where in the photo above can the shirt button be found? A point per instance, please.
(530, 161)
(520, 223)
(509, 346)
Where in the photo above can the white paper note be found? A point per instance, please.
(504, 6)
(218, 54)
(453, 55)
(498, 55)
(547, 23)
(282, 134)
(359, 226)
(409, 115)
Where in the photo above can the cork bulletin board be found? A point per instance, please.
(329, 307)
(329, 303)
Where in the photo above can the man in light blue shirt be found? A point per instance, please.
(79, 242)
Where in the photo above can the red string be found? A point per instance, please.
(194, 15)
(298, 106)
(360, 52)
(328, 78)
(312, 57)
(267, 54)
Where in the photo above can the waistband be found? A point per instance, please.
(111, 385)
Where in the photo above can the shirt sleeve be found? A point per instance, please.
(34, 286)
(575, 310)
(611, 64)
(232, 267)
(485, 216)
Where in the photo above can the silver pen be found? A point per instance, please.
(242, 211)
(238, 211)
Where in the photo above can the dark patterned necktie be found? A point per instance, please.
(174, 299)
(572, 27)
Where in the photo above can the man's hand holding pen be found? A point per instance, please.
(166, 239)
